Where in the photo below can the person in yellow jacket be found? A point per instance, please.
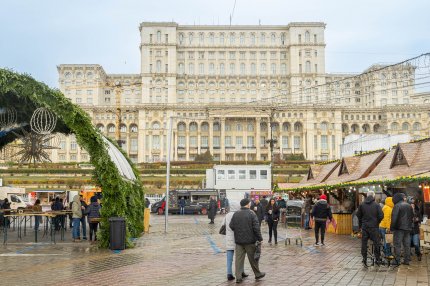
(384, 226)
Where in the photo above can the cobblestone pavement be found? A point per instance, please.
(192, 253)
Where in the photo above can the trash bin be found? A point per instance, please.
(117, 233)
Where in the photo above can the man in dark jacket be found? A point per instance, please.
(401, 226)
(307, 211)
(258, 209)
(246, 228)
(320, 213)
(370, 215)
(84, 217)
(212, 209)
(182, 206)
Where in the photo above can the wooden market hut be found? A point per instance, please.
(406, 169)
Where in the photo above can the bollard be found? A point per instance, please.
(146, 217)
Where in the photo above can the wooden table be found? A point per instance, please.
(21, 218)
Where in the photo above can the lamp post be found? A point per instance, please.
(118, 112)
(272, 143)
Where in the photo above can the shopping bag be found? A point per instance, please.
(388, 238)
(332, 222)
(311, 223)
(257, 252)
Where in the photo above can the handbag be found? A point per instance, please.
(222, 230)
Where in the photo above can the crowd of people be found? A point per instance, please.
(399, 217)
(396, 216)
(81, 214)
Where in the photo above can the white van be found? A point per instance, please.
(13, 196)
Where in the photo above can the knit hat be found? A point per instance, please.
(323, 197)
(244, 202)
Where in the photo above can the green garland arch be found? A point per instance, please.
(121, 198)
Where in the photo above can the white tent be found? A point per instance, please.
(120, 161)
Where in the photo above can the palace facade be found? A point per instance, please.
(230, 89)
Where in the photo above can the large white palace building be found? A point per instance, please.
(225, 86)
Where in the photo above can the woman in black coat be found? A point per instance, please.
(212, 209)
(272, 214)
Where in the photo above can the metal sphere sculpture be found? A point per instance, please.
(43, 121)
(8, 117)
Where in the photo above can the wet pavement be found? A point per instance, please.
(192, 253)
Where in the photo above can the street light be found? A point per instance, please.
(272, 143)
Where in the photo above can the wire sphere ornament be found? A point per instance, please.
(8, 117)
(43, 121)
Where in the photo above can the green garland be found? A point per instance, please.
(399, 180)
(121, 198)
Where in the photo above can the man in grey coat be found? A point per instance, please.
(401, 226)
(246, 228)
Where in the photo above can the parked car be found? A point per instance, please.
(196, 202)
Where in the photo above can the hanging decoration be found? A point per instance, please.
(33, 147)
(43, 121)
(8, 117)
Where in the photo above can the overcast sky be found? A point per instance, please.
(36, 36)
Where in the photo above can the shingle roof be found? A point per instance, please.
(417, 157)
(358, 167)
(320, 174)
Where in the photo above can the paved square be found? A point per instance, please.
(192, 253)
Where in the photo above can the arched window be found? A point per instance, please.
(232, 39)
(298, 127)
(221, 38)
(273, 38)
(111, 128)
(159, 36)
(190, 38)
(239, 127)
(394, 126)
(193, 127)
(275, 127)
(307, 37)
(376, 128)
(181, 38)
(324, 126)
(283, 39)
(191, 68)
(253, 69)
(405, 126)
(250, 126)
(242, 69)
(242, 38)
(156, 125)
(222, 69)
(217, 126)
(262, 38)
(345, 128)
(308, 67)
(286, 126)
(355, 129)
(417, 126)
(211, 38)
(252, 39)
(201, 38)
(101, 128)
(123, 128)
(366, 128)
(158, 66)
(263, 126)
(263, 68)
(133, 128)
(181, 68)
(181, 126)
(205, 127)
